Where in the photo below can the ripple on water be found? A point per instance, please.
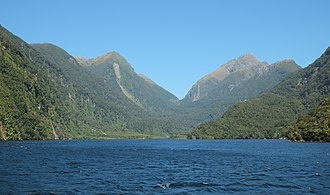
(164, 167)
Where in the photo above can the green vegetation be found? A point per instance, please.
(146, 107)
(46, 94)
(269, 114)
(159, 105)
(256, 118)
(314, 126)
(24, 110)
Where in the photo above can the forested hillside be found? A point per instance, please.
(29, 103)
(46, 94)
(111, 81)
(269, 114)
(314, 126)
(142, 91)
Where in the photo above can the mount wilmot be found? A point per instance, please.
(46, 93)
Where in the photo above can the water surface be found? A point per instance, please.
(164, 166)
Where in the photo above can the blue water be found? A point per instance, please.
(164, 167)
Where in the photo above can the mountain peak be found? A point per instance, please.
(247, 59)
(248, 56)
(244, 67)
(285, 60)
(231, 66)
(109, 54)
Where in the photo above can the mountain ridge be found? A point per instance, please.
(47, 93)
(270, 113)
(112, 70)
(231, 66)
(249, 76)
(244, 63)
(108, 61)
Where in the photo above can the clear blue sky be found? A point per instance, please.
(175, 42)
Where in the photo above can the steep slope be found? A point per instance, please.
(32, 104)
(269, 114)
(100, 105)
(113, 68)
(314, 126)
(236, 80)
(46, 94)
(163, 107)
(110, 80)
(23, 110)
(206, 85)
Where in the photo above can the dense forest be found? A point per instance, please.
(314, 126)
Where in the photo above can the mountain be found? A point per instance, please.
(45, 93)
(270, 113)
(205, 86)
(235, 81)
(98, 102)
(31, 103)
(52, 96)
(156, 111)
(142, 91)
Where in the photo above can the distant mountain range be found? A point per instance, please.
(235, 81)
(269, 114)
(46, 93)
